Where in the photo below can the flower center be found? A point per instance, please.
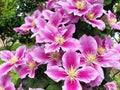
(91, 58)
(2, 88)
(80, 5)
(59, 40)
(31, 65)
(113, 20)
(55, 55)
(72, 73)
(33, 23)
(90, 16)
(13, 60)
(101, 50)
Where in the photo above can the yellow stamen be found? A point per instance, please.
(113, 20)
(31, 65)
(90, 16)
(33, 23)
(72, 73)
(80, 5)
(59, 40)
(55, 55)
(13, 60)
(101, 50)
(91, 58)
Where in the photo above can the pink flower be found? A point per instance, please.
(60, 38)
(110, 86)
(30, 65)
(112, 20)
(34, 22)
(91, 16)
(12, 59)
(77, 7)
(90, 57)
(51, 58)
(103, 44)
(71, 72)
(96, 1)
(5, 83)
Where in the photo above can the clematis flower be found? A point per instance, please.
(90, 57)
(103, 44)
(110, 86)
(112, 20)
(5, 83)
(30, 65)
(60, 38)
(34, 22)
(71, 72)
(51, 58)
(12, 59)
(77, 7)
(91, 16)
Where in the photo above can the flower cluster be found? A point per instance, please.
(79, 62)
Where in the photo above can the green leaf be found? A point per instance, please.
(54, 87)
(107, 2)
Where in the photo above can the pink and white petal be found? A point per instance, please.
(51, 47)
(32, 73)
(88, 45)
(97, 23)
(20, 52)
(46, 14)
(72, 44)
(56, 73)
(36, 14)
(28, 20)
(87, 74)
(71, 85)
(55, 19)
(70, 31)
(5, 80)
(23, 72)
(6, 55)
(70, 60)
(5, 68)
(99, 78)
(10, 86)
(99, 41)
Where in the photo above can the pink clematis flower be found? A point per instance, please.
(110, 86)
(77, 7)
(34, 22)
(90, 57)
(103, 44)
(60, 38)
(51, 58)
(5, 83)
(30, 65)
(71, 72)
(112, 20)
(91, 17)
(12, 59)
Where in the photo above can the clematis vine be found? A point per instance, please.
(110, 86)
(12, 59)
(71, 72)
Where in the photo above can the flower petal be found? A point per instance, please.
(23, 72)
(70, 60)
(88, 45)
(87, 74)
(20, 51)
(5, 68)
(72, 85)
(56, 73)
